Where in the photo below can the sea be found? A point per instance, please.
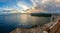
(9, 22)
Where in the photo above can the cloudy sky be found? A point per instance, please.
(49, 5)
(15, 3)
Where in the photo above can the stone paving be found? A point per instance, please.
(25, 30)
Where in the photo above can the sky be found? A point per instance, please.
(14, 3)
(48, 5)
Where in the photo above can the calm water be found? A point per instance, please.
(9, 22)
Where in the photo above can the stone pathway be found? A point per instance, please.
(24, 30)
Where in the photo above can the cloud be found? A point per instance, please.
(35, 2)
(52, 5)
(57, 0)
(49, 5)
(7, 9)
(23, 5)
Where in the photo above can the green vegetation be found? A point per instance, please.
(41, 15)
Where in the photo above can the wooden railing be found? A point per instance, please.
(54, 28)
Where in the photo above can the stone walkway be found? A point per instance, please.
(53, 27)
(31, 30)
